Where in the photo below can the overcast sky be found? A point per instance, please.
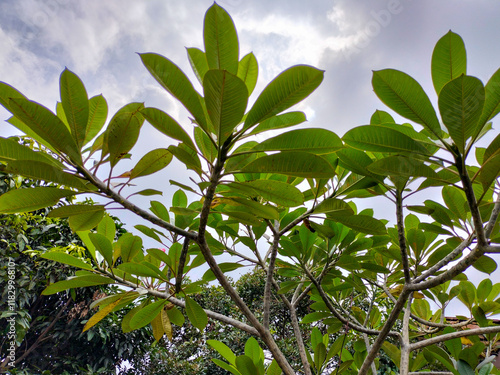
(98, 40)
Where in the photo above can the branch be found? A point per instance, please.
(269, 280)
(182, 262)
(453, 335)
(132, 207)
(493, 218)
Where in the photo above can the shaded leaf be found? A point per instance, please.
(248, 71)
(146, 314)
(26, 200)
(66, 259)
(284, 120)
(77, 282)
(98, 112)
(449, 60)
(152, 162)
(196, 314)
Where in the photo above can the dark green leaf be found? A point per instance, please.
(196, 314)
(26, 200)
(146, 314)
(74, 209)
(103, 245)
(85, 221)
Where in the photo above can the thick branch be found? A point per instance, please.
(132, 207)
(269, 280)
(182, 262)
(405, 340)
(453, 335)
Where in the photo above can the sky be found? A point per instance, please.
(98, 40)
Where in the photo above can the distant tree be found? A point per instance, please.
(49, 328)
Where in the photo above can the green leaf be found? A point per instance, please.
(75, 103)
(449, 60)
(98, 112)
(245, 365)
(319, 355)
(100, 315)
(123, 132)
(226, 98)
(381, 117)
(248, 71)
(75, 209)
(225, 267)
(103, 245)
(129, 246)
(491, 99)
(10, 150)
(254, 351)
(455, 200)
(66, 259)
(401, 166)
(392, 352)
(191, 161)
(382, 139)
(146, 314)
(41, 171)
(85, 221)
(298, 164)
(77, 282)
(149, 192)
(485, 264)
(464, 368)
(152, 162)
(312, 140)
(221, 40)
(287, 89)
(461, 104)
(274, 369)
(160, 210)
(405, 96)
(274, 191)
(26, 200)
(47, 126)
(242, 217)
(361, 223)
(196, 314)
(176, 316)
(223, 350)
(255, 208)
(467, 293)
(332, 205)
(8, 92)
(198, 61)
(284, 120)
(167, 125)
(171, 77)
(226, 366)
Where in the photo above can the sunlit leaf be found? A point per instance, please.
(248, 71)
(66, 259)
(77, 282)
(146, 314)
(152, 162)
(26, 200)
(98, 112)
(449, 60)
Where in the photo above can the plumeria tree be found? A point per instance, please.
(284, 205)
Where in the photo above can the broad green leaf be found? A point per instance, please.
(455, 200)
(75, 209)
(26, 200)
(160, 210)
(461, 104)
(146, 314)
(166, 125)
(189, 160)
(223, 350)
(254, 351)
(75, 103)
(449, 60)
(332, 205)
(129, 246)
(11, 150)
(138, 269)
(171, 77)
(46, 125)
(405, 96)
(485, 264)
(401, 166)
(98, 112)
(392, 352)
(226, 366)
(467, 294)
(103, 245)
(274, 369)
(196, 314)
(248, 71)
(274, 191)
(315, 141)
(361, 223)
(484, 289)
(382, 139)
(255, 208)
(221, 40)
(148, 232)
(226, 98)
(225, 267)
(355, 161)
(319, 355)
(175, 316)
(205, 144)
(381, 117)
(85, 221)
(66, 259)
(287, 89)
(298, 164)
(464, 368)
(492, 98)
(122, 133)
(41, 171)
(77, 282)
(490, 171)
(284, 120)
(8, 92)
(242, 217)
(152, 162)
(198, 61)
(107, 228)
(245, 365)
(101, 314)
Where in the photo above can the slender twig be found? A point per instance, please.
(269, 279)
(182, 262)
(402, 237)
